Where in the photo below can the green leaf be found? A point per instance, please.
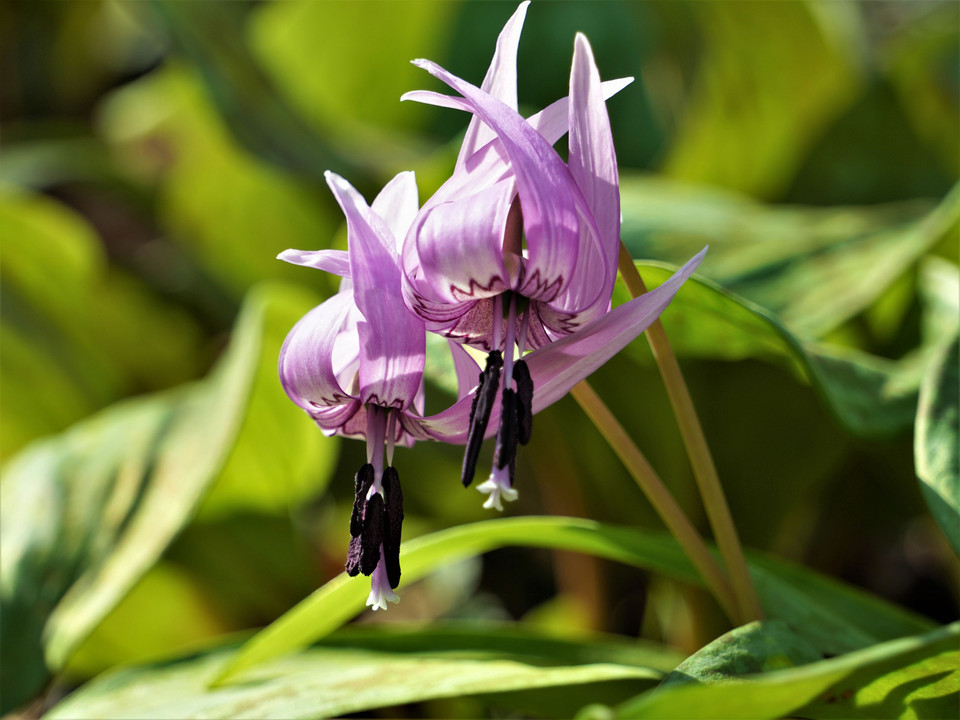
(216, 200)
(869, 395)
(349, 91)
(830, 614)
(813, 268)
(212, 36)
(937, 441)
(87, 513)
(754, 648)
(180, 615)
(813, 690)
(78, 334)
(371, 668)
(764, 93)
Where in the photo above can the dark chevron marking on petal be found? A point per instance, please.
(521, 375)
(391, 538)
(483, 401)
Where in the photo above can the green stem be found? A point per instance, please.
(659, 496)
(704, 470)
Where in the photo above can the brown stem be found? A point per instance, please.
(659, 496)
(704, 470)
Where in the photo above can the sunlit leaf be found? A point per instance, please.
(230, 212)
(78, 333)
(85, 514)
(937, 441)
(212, 37)
(812, 690)
(758, 647)
(832, 615)
(814, 268)
(921, 61)
(180, 615)
(869, 395)
(350, 97)
(363, 670)
(762, 93)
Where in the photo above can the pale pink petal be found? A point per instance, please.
(467, 369)
(593, 164)
(500, 82)
(398, 204)
(392, 340)
(557, 367)
(459, 245)
(306, 358)
(550, 198)
(336, 262)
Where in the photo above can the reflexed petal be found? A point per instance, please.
(392, 340)
(548, 194)
(557, 367)
(306, 358)
(466, 368)
(593, 164)
(398, 204)
(460, 245)
(551, 122)
(500, 82)
(335, 262)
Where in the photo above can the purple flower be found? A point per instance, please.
(355, 364)
(518, 250)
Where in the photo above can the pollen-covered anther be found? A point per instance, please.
(505, 451)
(366, 526)
(391, 538)
(521, 376)
(483, 401)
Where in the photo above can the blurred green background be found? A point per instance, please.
(159, 488)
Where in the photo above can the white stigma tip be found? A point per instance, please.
(378, 598)
(498, 494)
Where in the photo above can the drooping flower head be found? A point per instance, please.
(517, 250)
(355, 364)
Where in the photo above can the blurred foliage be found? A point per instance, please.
(160, 491)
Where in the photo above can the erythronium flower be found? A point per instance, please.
(518, 250)
(355, 364)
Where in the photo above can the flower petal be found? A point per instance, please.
(593, 164)
(398, 204)
(557, 367)
(550, 198)
(551, 122)
(459, 245)
(392, 340)
(466, 368)
(306, 359)
(500, 82)
(335, 262)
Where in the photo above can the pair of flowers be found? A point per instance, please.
(516, 252)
